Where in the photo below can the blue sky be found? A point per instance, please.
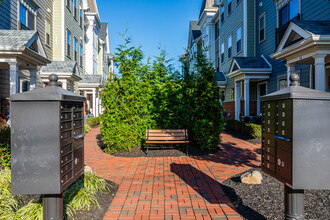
(150, 23)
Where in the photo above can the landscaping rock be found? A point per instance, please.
(257, 175)
(251, 178)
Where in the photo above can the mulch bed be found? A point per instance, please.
(266, 201)
(163, 151)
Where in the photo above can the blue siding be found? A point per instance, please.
(315, 10)
(8, 15)
(310, 10)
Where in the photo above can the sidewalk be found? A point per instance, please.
(172, 187)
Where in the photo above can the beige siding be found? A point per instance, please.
(57, 27)
(42, 16)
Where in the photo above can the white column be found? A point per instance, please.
(14, 78)
(320, 72)
(94, 103)
(33, 79)
(247, 97)
(64, 84)
(97, 104)
(237, 101)
(290, 70)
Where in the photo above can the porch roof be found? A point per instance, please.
(253, 67)
(22, 45)
(64, 69)
(302, 40)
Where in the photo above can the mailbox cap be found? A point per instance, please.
(295, 91)
(51, 93)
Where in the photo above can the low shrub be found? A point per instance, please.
(5, 155)
(5, 135)
(92, 122)
(248, 129)
(81, 195)
(86, 128)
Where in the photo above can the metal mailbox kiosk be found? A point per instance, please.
(47, 141)
(296, 142)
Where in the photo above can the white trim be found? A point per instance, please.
(279, 78)
(245, 26)
(292, 27)
(264, 16)
(258, 96)
(271, 66)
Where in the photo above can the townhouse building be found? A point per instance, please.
(262, 42)
(41, 37)
(98, 57)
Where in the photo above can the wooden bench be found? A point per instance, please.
(167, 136)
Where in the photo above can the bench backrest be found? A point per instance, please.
(167, 134)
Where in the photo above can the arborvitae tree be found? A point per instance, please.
(207, 117)
(126, 102)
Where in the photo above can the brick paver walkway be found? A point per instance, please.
(172, 187)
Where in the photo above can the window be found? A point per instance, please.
(288, 12)
(68, 43)
(238, 39)
(48, 34)
(22, 17)
(262, 28)
(81, 20)
(68, 4)
(222, 14)
(282, 83)
(75, 49)
(81, 55)
(216, 30)
(75, 9)
(222, 52)
(229, 6)
(232, 95)
(229, 47)
(26, 18)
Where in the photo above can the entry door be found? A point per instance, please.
(262, 90)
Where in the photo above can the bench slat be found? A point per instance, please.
(167, 142)
(166, 130)
(166, 135)
(153, 138)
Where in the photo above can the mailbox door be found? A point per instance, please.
(284, 161)
(67, 150)
(78, 132)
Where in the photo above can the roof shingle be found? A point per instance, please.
(252, 62)
(15, 37)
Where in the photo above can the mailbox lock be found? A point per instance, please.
(61, 181)
(61, 116)
(61, 137)
(61, 152)
(61, 171)
(61, 161)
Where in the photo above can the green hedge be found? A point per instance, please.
(92, 122)
(248, 129)
(5, 135)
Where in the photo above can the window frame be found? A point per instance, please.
(75, 49)
(263, 15)
(289, 17)
(68, 43)
(222, 13)
(230, 50)
(222, 52)
(81, 55)
(239, 41)
(229, 7)
(30, 24)
(47, 28)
